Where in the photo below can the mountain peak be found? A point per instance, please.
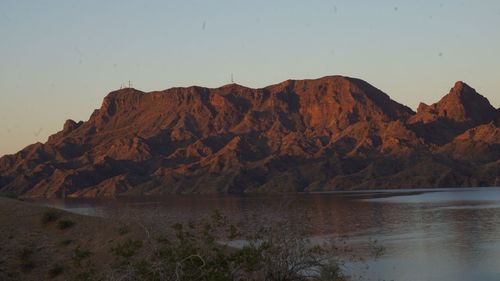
(461, 89)
(462, 104)
(460, 84)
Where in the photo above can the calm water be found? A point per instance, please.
(436, 235)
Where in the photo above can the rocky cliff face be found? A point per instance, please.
(300, 135)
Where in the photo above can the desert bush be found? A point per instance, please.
(123, 229)
(64, 224)
(83, 268)
(79, 255)
(332, 272)
(215, 249)
(126, 249)
(50, 215)
(25, 259)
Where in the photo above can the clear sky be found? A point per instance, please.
(59, 58)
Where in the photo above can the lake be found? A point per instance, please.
(428, 235)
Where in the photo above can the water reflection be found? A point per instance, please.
(428, 235)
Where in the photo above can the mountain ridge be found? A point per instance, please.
(330, 133)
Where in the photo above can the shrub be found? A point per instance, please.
(123, 229)
(25, 259)
(126, 249)
(80, 255)
(64, 224)
(332, 272)
(200, 251)
(50, 216)
(83, 267)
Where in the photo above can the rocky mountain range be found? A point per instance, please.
(332, 133)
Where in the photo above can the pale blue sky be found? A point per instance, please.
(58, 59)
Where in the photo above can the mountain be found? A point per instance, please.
(461, 109)
(330, 133)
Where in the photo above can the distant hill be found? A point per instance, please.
(332, 133)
